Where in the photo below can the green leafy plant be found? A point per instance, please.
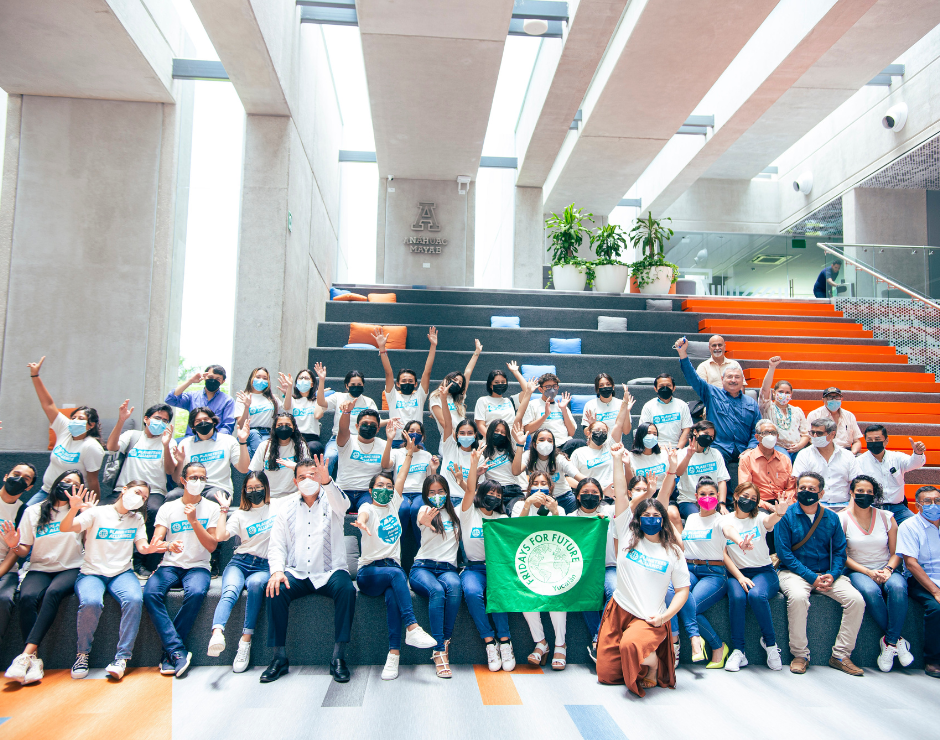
(567, 234)
(608, 243)
(649, 235)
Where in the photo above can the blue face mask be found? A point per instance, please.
(465, 442)
(650, 441)
(651, 524)
(931, 512)
(259, 385)
(156, 427)
(437, 500)
(304, 385)
(78, 427)
(416, 437)
(834, 404)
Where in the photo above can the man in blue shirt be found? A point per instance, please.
(816, 565)
(221, 403)
(826, 280)
(919, 545)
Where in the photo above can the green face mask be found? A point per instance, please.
(382, 496)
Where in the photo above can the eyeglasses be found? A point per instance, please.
(198, 477)
(930, 501)
(254, 490)
(549, 387)
(818, 432)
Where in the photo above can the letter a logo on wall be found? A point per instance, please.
(426, 218)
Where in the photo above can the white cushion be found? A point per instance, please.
(611, 323)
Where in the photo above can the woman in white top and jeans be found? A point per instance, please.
(284, 445)
(873, 566)
(405, 396)
(258, 406)
(421, 464)
(302, 403)
(355, 387)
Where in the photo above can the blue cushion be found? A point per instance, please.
(337, 291)
(359, 346)
(531, 372)
(504, 322)
(576, 404)
(328, 392)
(564, 346)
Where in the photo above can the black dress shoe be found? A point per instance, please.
(273, 672)
(339, 671)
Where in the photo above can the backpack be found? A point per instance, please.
(113, 464)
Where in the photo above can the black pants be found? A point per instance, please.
(931, 620)
(40, 594)
(314, 445)
(339, 588)
(8, 584)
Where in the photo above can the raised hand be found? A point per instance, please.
(124, 411)
(563, 400)
(616, 447)
(347, 405)
(518, 433)
(285, 383)
(190, 511)
(10, 534)
(681, 347)
(34, 367)
(77, 496)
(673, 456)
(532, 386)
(746, 543)
(432, 336)
(176, 455)
(321, 471)
(434, 465)
(380, 338)
(780, 508)
(320, 369)
(167, 436)
(512, 366)
(475, 458)
(222, 499)
(627, 398)
(197, 377)
(364, 526)
(774, 361)
(479, 347)
(589, 417)
(393, 427)
(243, 432)
(919, 447)
(243, 398)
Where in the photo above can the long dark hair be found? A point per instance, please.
(243, 503)
(408, 426)
(301, 451)
(460, 399)
(490, 379)
(437, 524)
(249, 388)
(49, 502)
(585, 482)
(92, 416)
(638, 447)
(489, 486)
(492, 449)
(476, 435)
(314, 380)
(667, 536)
(534, 453)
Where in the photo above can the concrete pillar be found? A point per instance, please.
(529, 239)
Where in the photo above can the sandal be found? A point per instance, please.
(440, 662)
(447, 648)
(644, 680)
(558, 664)
(539, 654)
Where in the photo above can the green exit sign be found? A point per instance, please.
(798, 244)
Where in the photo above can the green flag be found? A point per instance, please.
(543, 564)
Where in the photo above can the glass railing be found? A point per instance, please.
(884, 271)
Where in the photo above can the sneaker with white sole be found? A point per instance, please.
(419, 638)
(216, 644)
(390, 671)
(675, 651)
(736, 661)
(117, 668)
(242, 657)
(493, 660)
(905, 658)
(181, 663)
(773, 656)
(80, 666)
(885, 659)
(35, 672)
(18, 668)
(507, 656)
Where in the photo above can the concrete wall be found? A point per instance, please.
(528, 239)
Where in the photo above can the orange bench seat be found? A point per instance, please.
(841, 375)
(883, 411)
(760, 308)
(783, 328)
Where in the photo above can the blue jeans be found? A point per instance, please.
(125, 588)
(358, 498)
(900, 511)
(709, 584)
(195, 583)
(686, 508)
(256, 436)
(593, 619)
(408, 514)
(242, 571)
(888, 616)
(386, 577)
(766, 585)
(440, 585)
(473, 582)
(332, 455)
(567, 501)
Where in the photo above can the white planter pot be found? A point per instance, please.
(568, 277)
(611, 278)
(662, 279)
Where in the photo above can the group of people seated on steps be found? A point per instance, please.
(809, 513)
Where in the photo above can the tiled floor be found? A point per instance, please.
(216, 704)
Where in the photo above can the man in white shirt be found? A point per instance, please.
(307, 555)
(888, 468)
(712, 369)
(848, 434)
(671, 415)
(834, 463)
(545, 411)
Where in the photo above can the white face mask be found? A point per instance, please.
(131, 500)
(769, 441)
(194, 487)
(820, 441)
(544, 448)
(308, 487)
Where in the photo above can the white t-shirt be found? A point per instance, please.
(533, 510)
(8, 513)
(109, 540)
(759, 556)
(644, 573)
(670, 418)
(709, 463)
(595, 463)
(606, 510)
(564, 468)
(555, 421)
(333, 403)
(260, 411)
(605, 411)
(471, 530)
(304, 412)
(281, 480)
(454, 456)
(144, 461)
(490, 409)
(643, 464)
(408, 408)
(52, 551)
(217, 454)
(439, 547)
(358, 462)
(84, 454)
(500, 469)
(253, 528)
(702, 537)
(384, 542)
(171, 516)
(455, 416)
(869, 549)
(417, 471)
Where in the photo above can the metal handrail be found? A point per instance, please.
(878, 276)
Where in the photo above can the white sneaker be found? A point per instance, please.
(117, 668)
(508, 658)
(242, 657)
(419, 638)
(885, 659)
(492, 657)
(736, 661)
(216, 644)
(390, 671)
(18, 668)
(773, 657)
(35, 672)
(904, 652)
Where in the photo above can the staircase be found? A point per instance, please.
(820, 348)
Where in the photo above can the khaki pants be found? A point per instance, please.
(797, 592)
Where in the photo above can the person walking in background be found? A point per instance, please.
(826, 284)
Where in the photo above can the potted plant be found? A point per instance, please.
(569, 272)
(653, 273)
(611, 275)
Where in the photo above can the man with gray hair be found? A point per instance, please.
(834, 463)
(712, 370)
(767, 467)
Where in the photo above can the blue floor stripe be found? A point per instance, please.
(4, 719)
(594, 722)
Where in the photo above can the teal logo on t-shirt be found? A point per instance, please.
(65, 456)
(654, 469)
(697, 534)
(476, 533)
(306, 411)
(50, 528)
(146, 454)
(259, 527)
(389, 529)
(204, 457)
(185, 526)
(666, 418)
(709, 467)
(365, 457)
(104, 533)
(499, 460)
(593, 463)
(406, 403)
(645, 561)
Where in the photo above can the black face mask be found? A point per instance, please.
(212, 385)
(368, 431)
(454, 389)
(589, 500)
(605, 392)
(407, 388)
(875, 448)
(864, 500)
(664, 392)
(746, 505)
(15, 485)
(705, 440)
(283, 432)
(598, 437)
(204, 427)
(356, 390)
(491, 502)
(500, 387)
(255, 497)
(498, 439)
(807, 498)
(62, 491)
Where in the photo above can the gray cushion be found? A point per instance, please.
(641, 381)
(698, 350)
(611, 323)
(658, 305)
